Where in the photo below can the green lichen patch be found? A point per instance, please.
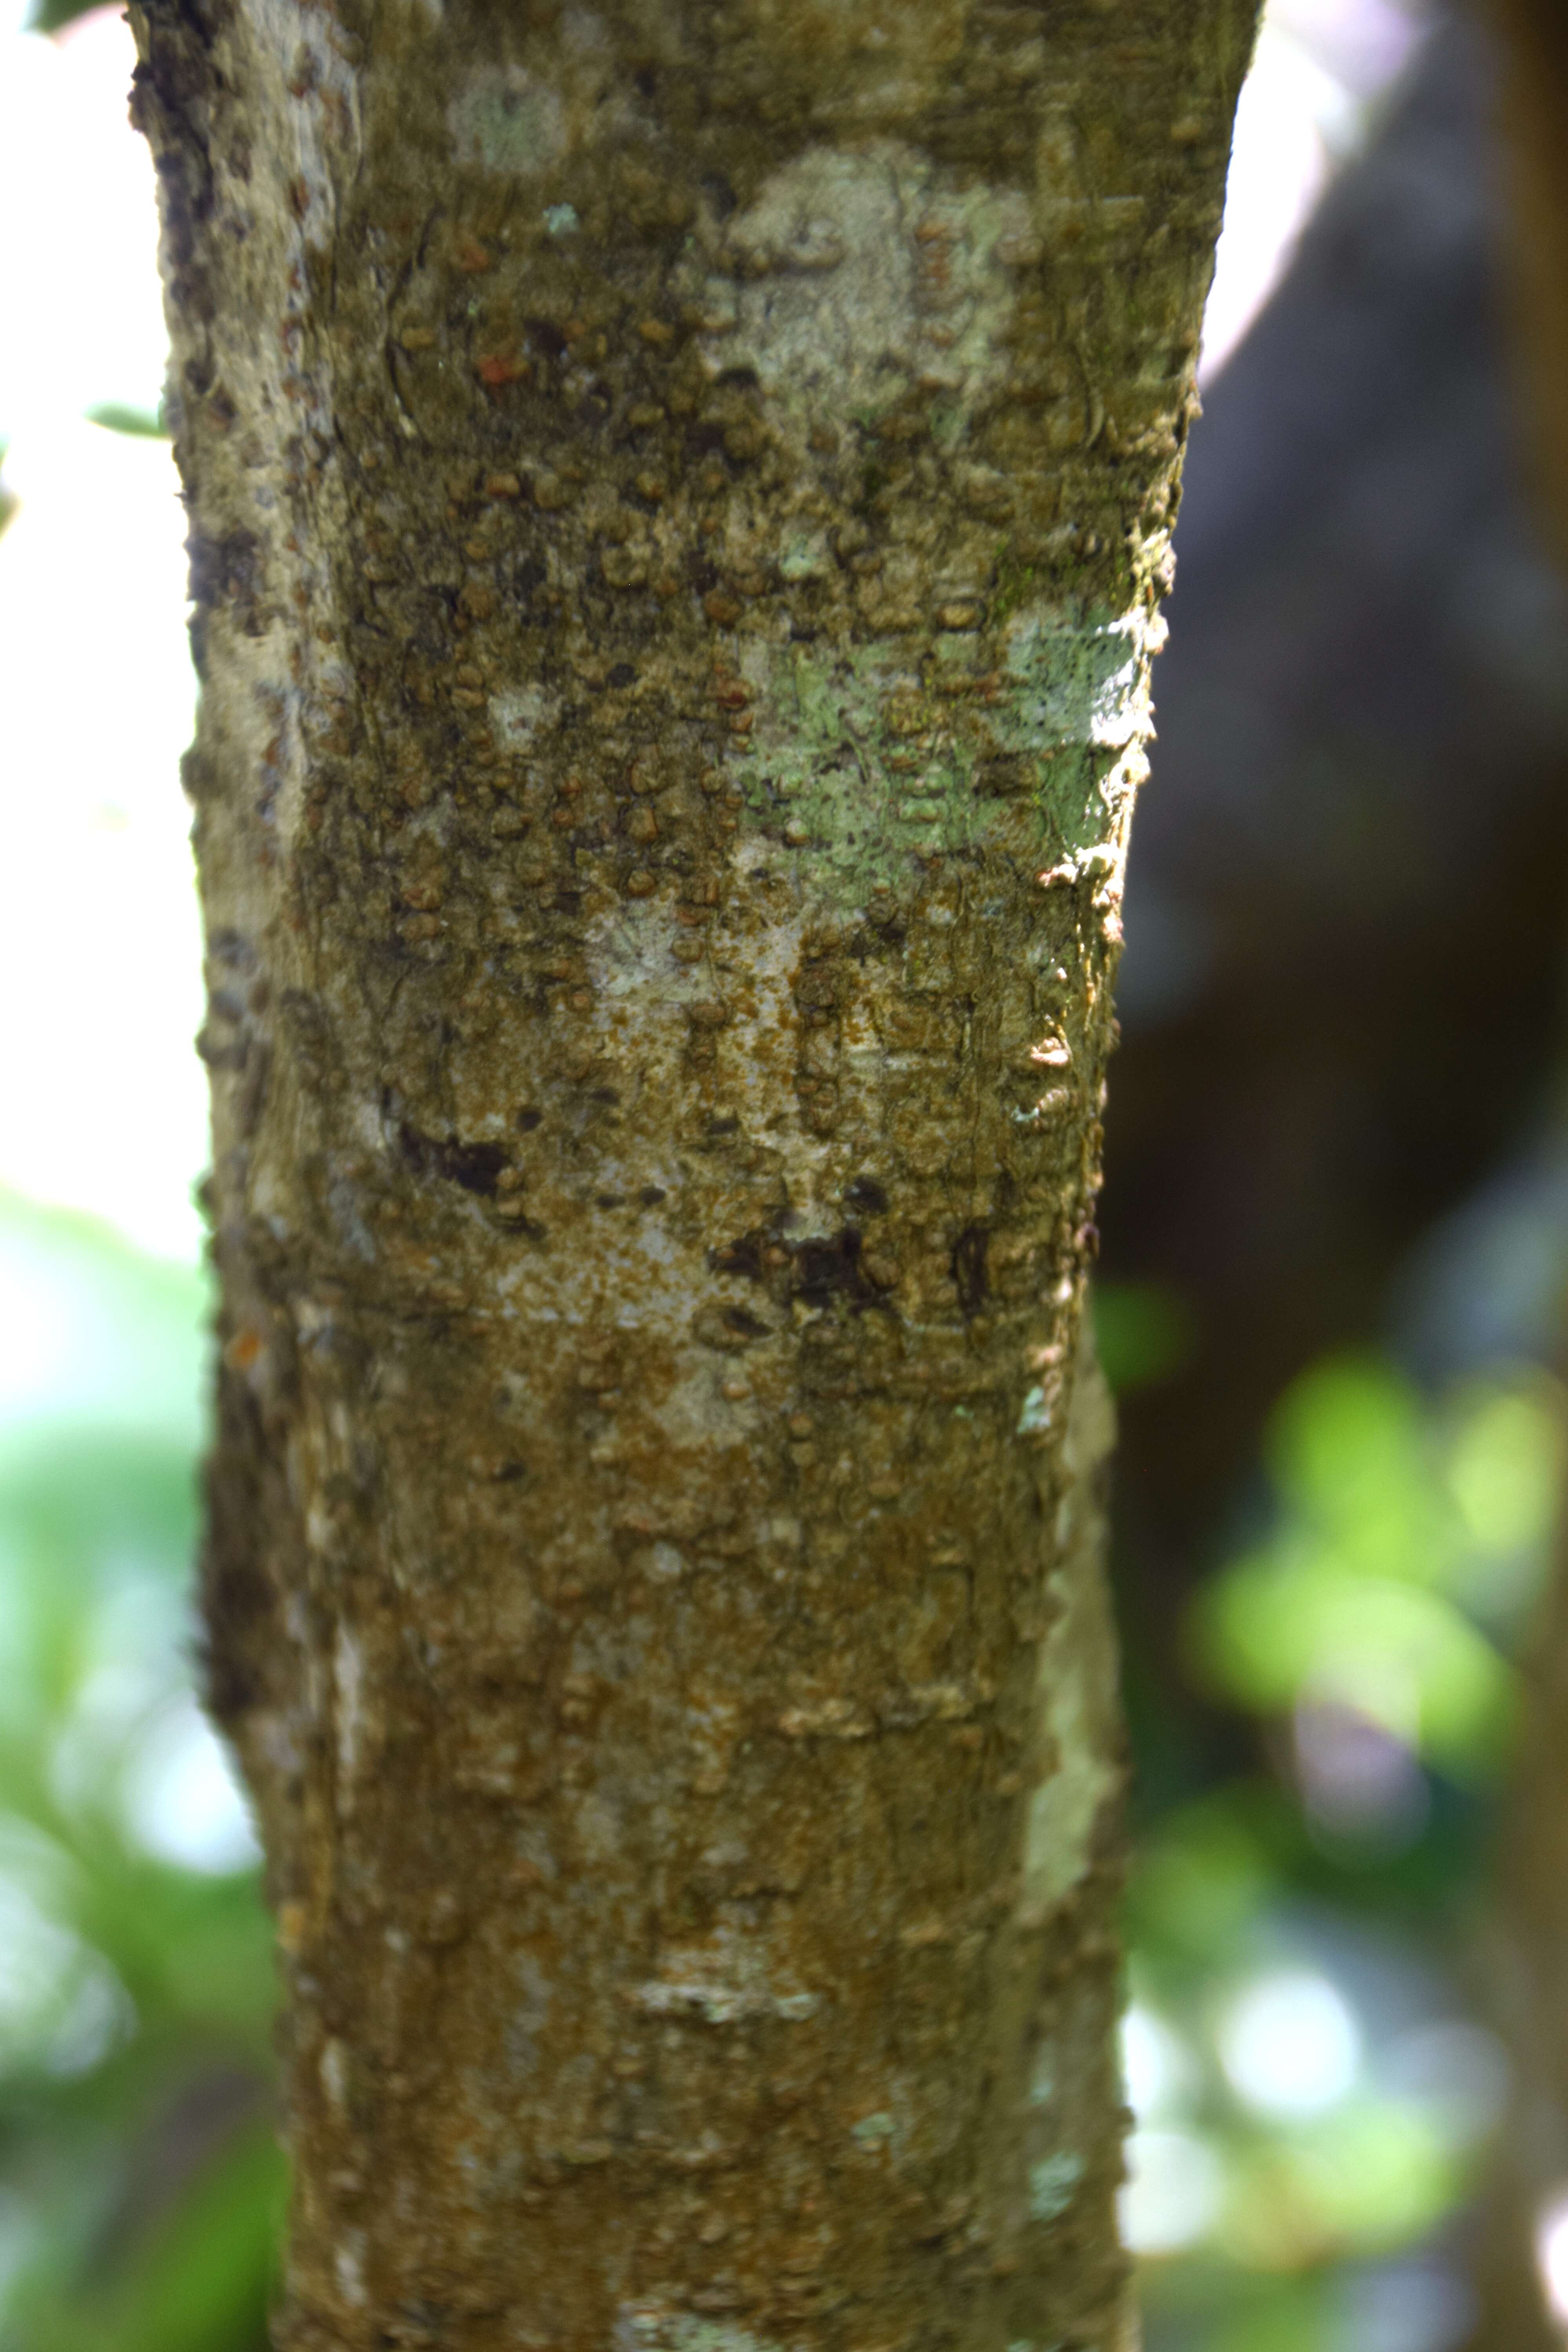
(859, 762)
(1074, 681)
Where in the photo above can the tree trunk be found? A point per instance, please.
(1525, 1951)
(680, 499)
(1534, 37)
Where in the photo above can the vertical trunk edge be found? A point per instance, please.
(680, 500)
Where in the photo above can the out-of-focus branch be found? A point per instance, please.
(1535, 118)
(1519, 2250)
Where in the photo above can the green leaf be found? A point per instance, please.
(86, 1502)
(53, 16)
(1144, 1331)
(1271, 1634)
(100, 1334)
(204, 2282)
(198, 2275)
(1200, 1879)
(115, 416)
(1505, 1467)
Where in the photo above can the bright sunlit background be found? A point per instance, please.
(1312, 2098)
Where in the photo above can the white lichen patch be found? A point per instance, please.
(639, 2328)
(583, 34)
(1053, 2184)
(1034, 1414)
(348, 1678)
(1075, 683)
(507, 120)
(334, 2070)
(348, 2266)
(808, 556)
(527, 2022)
(723, 1982)
(827, 1719)
(518, 712)
(629, 960)
(860, 278)
(601, 1830)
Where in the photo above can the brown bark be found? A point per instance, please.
(1534, 42)
(1526, 1981)
(680, 500)
(1526, 1945)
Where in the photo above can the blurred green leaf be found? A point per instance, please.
(1292, 2319)
(131, 1981)
(1401, 1536)
(146, 424)
(1405, 1540)
(81, 1499)
(1506, 1466)
(1345, 1435)
(1144, 1331)
(1226, 2310)
(1372, 2177)
(1202, 1877)
(205, 2282)
(53, 16)
(95, 1334)
(1354, 1464)
(196, 2273)
(1272, 1632)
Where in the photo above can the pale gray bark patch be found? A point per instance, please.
(1079, 1726)
(1053, 2184)
(857, 276)
(508, 122)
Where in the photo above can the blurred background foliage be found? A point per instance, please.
(140, 2182)
(1314, 2091)
(1335, 1239)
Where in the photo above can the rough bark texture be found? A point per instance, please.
(679, 499)
(1525, 1952)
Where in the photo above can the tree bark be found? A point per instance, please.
(1534, 42)
(1524, 1950)
(680, 500)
